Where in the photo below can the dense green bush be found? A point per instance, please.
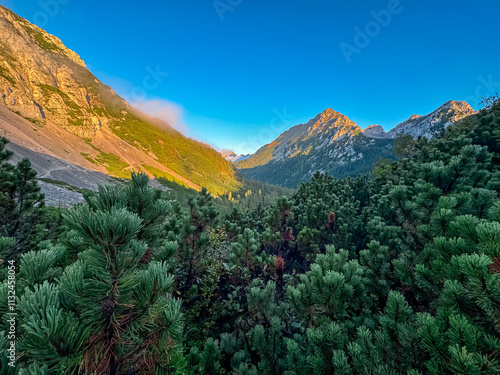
(397, 272)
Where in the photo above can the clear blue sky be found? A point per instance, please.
(228, 79)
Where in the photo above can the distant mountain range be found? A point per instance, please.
(231, 156)
(332, 143)
(54, 110)
(62, 110)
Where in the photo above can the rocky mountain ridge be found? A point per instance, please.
(232, 156)
(430, 125)
(43, 80)
(324, 129)
(331, 142)
(49, 85)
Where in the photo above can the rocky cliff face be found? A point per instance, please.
(375, 131)
(430, 125)
(325, 129)
(332, 143)
(49, 85)
(43, 80)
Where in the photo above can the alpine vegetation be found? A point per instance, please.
(393, 272)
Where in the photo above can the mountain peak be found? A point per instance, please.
(430, 125)
(458, 105)
(327, 113)
(372, 127)
(84, 121)
(12, 26)
(375, 131)
(230, 155)
(330, 123)
(325, 129)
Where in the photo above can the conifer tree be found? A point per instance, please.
(191, 231)
(21, 203)
(334, 288)
(110, 312)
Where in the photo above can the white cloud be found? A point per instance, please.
(167, 111)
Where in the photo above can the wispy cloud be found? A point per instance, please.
(165, 110)
(162, 109)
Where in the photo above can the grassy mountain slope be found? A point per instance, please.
(48, 84)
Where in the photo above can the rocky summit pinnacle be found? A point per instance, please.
(324, 129)
(328, 124)
(328, 114)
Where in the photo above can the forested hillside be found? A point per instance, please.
(395, 272)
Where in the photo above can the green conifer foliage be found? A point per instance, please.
(111, 311)
(191, 231)
(413, 290)
(334, 288)
(21, 204)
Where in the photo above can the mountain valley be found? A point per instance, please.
(332, 143)
(72, 115)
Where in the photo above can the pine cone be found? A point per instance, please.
(495, 266)
(108, 307)
(288, 235)
(279, 263)
(146, 258)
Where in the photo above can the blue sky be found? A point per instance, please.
(242, 71)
